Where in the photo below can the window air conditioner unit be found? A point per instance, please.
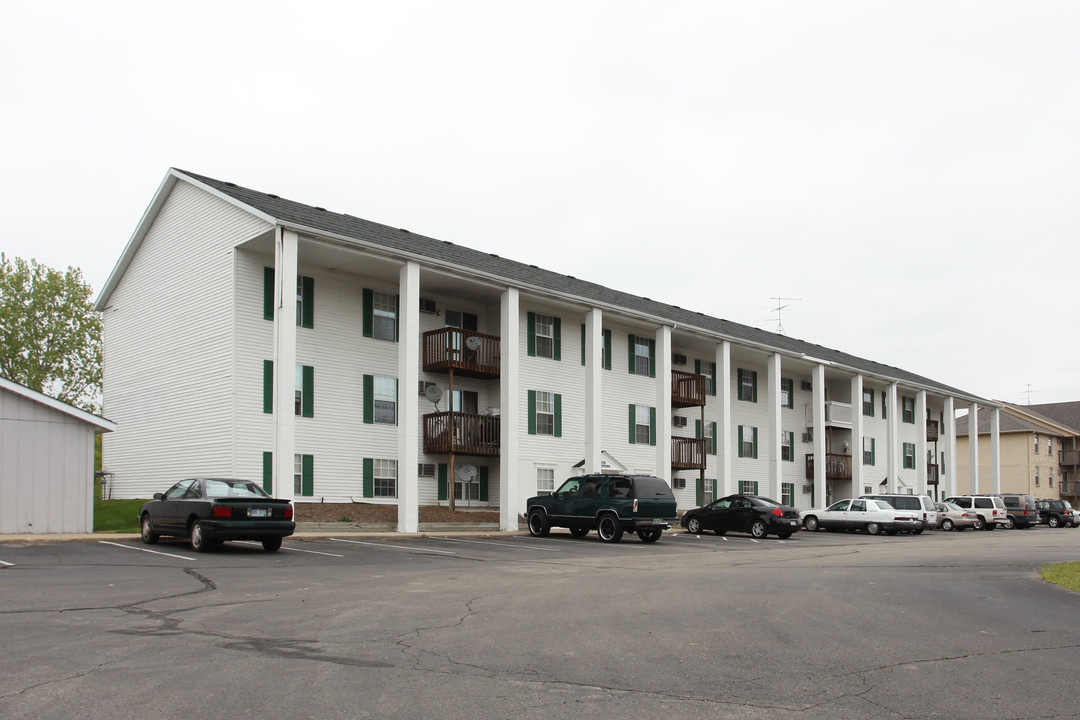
(808, 436)
(806, 385)
(424, 386)
(808, 489)
(678, 359)
(427, 306)
(678, 421)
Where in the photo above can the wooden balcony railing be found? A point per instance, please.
(471, 434)
(837, 467)
(687, 389)
(1069, 489)
(931, 474)
(688, 453)
(931, 430)
(1069, 457)
(467, 352)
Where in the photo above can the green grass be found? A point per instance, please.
(117, 515)
(1067, 575)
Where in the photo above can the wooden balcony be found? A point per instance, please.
(1069, 457)
(931, 430)
(471, 435)
(1069, 489)
(688, 453)
(837, 467)
(931, 474)
(687, 389)
(467, 352)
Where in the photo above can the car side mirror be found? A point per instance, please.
(158, 496)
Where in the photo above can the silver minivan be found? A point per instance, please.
(922, 505)
(989, 509)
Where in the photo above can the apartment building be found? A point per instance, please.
(346, 361)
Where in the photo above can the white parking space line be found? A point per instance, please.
(497, 544)
(146, 550)
(387, 545)
(7, 564)
(290, 549)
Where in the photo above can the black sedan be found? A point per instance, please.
(758, 516)
(212, 510)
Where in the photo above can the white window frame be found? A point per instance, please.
(642, 357)
(298, 474)
(544, 331)
(383, 315)
(545, 413)
(545, 479)
(384, 401)
(385, 478)
(642, 412)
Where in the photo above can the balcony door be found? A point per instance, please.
(462, 321)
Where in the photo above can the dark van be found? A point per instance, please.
(1021, 511)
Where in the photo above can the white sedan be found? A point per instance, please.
(872, 516)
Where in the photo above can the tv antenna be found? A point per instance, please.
(780, 307)
(1028, 393)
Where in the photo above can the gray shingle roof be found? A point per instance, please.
(289, 212)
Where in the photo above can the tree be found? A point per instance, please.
(50, 335)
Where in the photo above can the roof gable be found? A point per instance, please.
(59, 405)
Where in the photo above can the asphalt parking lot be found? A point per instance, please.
(821, 625)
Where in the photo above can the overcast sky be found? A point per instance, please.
(906, 170)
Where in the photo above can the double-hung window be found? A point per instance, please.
(642, 425)
(385, 478)
(748, 445)
(787, 448)
(384, 312)
(544, 326)
(868, 451)
(708, 369)
(545, 480)
(868, 402)
(909, 456)
(909, 410)
(303, 474)
(787, 494)
(641, 356)
(545, 413)
(380, 400)
(747, 385)
(787, 393)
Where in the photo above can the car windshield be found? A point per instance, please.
(233, 489)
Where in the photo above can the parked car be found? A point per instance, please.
(609, 504)
(212, 510)
(953, 517)
(1021, 511)
(1055, 513)
(873, 516)
(921, 505)
(989, 509)
(752, 514)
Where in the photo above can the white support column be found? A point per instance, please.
(920, 443)
(724, 430)
(408, 402)
(285, 271)
(776, 461)
(594, 416)
(995, 449)
(820, 462)
(973, 449)
(947, 468)
(512, 495)
(856, 435)
(892, 435)
(663, 402)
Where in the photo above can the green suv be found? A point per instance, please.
(609, 504)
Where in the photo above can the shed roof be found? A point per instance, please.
(89, 418)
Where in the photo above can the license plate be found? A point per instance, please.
(657, 521)
(256, 512)
(793, 523)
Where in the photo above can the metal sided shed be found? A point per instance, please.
(46, 463)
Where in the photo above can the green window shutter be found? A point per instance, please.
(753, 381)
(713, 438)
(873, 451)
(482, 475)
(268, 472)
(558, 415)
(307, 397)
(582, 343)
(652, 426)
(697, 429)
(397, 318)
(633, 424)
(268, 293)
(630, 351)
(700, 492)
(307, 475)
(791, 444)
(530, 329)
(652, 358)
(557, 340)
(268, 386)
(532, 412)
(368, 312)
(443, 470)
(756, 491)
(884, 407)
(697, 367)
(607, 349)
(755, 443)
(740, 441)
(369, 477)
(307, 297)
(369, 399)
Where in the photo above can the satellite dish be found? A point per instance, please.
(473, 343)
(433, 393)
(466, 473)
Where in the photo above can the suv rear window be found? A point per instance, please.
(648, 487)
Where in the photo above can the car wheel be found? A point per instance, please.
(947, 525)
(539, 525)
(609, 529)
(758, 529)
(271, 544)
(148, 535)
(810, 523)
(1010, 524)
(693, 526)
(579, 531)
(1053, 521)
(199, 541)
(873, 528)
(917, 531)
(978, 524)
(650, 536)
